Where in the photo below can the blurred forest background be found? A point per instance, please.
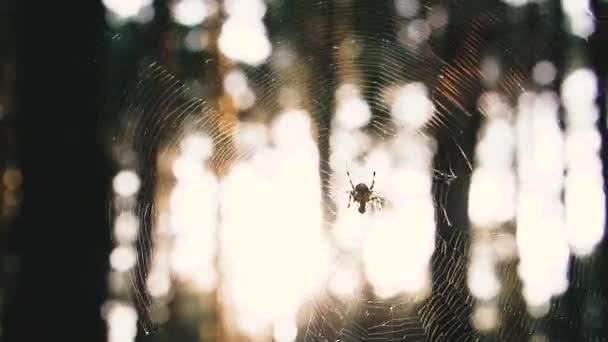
(82, 85)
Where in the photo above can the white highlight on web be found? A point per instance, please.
(584, 194)
(193, 212)
(352, 111)
(159, 277)
(482, 280)
(243, 37)
(120, 316)
(346, 278)
(235, 84)
(540, 212)
(285, 329)
(401, 234)
(126, 228)
(126, 183)
(493, 183)
(492, 204)
(123, 258)
(579, 17)
(544, 72)
(191, 12)
(516, 3)
(122, 322)
(412, 106)
(407, 8)
(397, 250)
(485, 316)
(127, 9)
(273, 252)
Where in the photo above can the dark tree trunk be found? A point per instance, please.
(63, 235)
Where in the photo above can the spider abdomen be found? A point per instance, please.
(362, 207)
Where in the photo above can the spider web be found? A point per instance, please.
(159, 110)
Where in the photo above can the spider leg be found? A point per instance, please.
(373, 181)
(351, 182)
(379, 203)
(350, 196)
(376, 201)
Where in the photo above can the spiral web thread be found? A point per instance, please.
(363, 58)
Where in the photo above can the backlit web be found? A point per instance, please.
(231, 206)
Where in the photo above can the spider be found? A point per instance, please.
(362, 194)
